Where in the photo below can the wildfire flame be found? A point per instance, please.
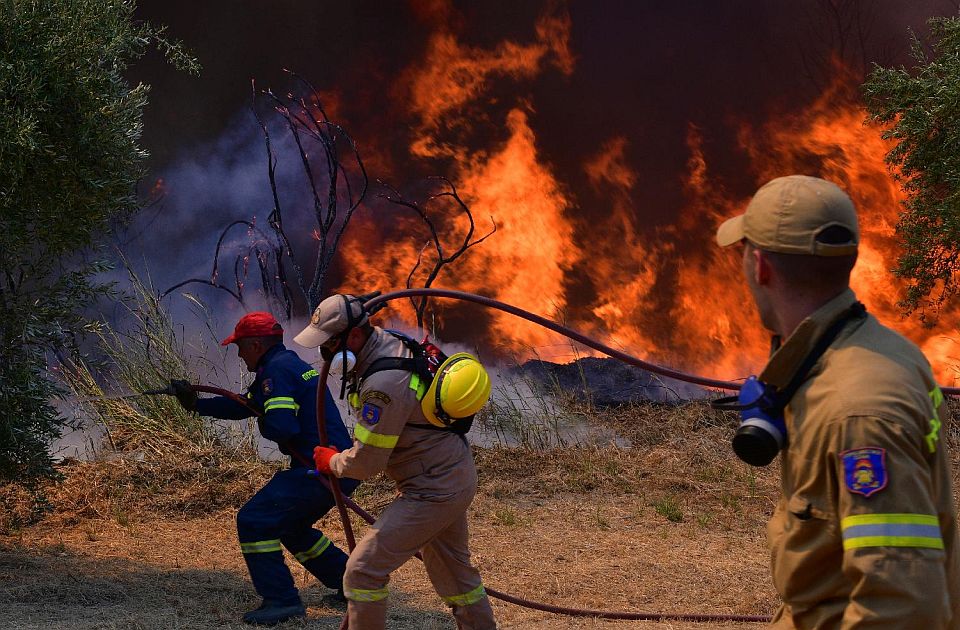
(667, 294)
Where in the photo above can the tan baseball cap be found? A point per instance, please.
(788, 214)
(330, 319)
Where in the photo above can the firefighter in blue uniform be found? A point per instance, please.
(284, 510)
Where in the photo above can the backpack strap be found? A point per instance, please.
(390, 363)
(420, 379)
(407, 364)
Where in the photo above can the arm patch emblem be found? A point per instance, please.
(370, 413)
(267, 386)
(865, 470)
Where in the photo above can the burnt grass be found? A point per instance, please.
(673, 523)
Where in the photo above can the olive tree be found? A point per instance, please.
(920, 108)
(70, 125)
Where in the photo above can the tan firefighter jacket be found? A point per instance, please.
(421, 461)
(864, 534)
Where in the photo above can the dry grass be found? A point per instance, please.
(673, 524)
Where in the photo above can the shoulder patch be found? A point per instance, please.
(370, 413)
(865, 470)
(375, 396)
(267, 386)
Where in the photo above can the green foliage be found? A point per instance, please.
(69, 128)
(921, 109)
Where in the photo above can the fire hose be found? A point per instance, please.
(342, 502)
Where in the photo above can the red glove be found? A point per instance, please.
(321, 457)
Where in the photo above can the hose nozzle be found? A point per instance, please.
(163, 391)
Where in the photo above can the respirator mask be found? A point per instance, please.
(342, 363)
(762, 432)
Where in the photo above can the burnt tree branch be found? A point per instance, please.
(306, 120)
(239, 266)
(441, 258)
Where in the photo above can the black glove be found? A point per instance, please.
(186, 395)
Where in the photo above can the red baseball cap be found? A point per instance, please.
(255, 324)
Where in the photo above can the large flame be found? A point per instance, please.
(667, 293)
(527, 259)
(705, 320)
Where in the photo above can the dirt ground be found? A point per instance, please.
(673, 524)
(605, 554)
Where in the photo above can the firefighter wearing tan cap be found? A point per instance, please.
(433, 468)
(283, 511)
(864, 534)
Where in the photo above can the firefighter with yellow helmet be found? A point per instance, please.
(414, 431)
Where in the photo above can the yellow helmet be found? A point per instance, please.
(459, 389)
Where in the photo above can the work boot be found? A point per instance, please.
(272, 613)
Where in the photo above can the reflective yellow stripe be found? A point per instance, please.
(465, 599)
(925, 542)
(309, 374)
(354, 399)
(260, 546)
(368, 437)
(891, 530)
(318, 548)
(878, 519)
(937, 397)
(365, 594)
(280, 402)
(417, 385)
(934, 436)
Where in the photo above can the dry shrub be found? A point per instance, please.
(679, 460)
(21, 506)
(125, 488)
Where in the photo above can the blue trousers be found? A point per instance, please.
(283, 513)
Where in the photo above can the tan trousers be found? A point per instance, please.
(438, 526)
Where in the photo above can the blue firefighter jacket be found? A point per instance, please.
(285, 388)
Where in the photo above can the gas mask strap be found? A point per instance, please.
(732, 403)
(782, 397)
(773, 401)
(353, 321)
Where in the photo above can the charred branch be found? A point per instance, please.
(441, 258)
(306, 120)
(240, 267)
(336, 188)
(840, 32)
(275, 218)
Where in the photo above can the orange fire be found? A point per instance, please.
(666, 294)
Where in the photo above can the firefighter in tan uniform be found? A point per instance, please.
(434, 471)
(864, 534)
